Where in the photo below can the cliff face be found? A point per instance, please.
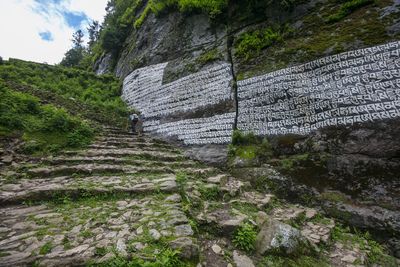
(320, 79)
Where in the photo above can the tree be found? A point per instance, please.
(1, 61)
(77, 39)
(94, 31)
(74, 56)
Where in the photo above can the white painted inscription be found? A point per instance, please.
(351, 87)
(143, 89)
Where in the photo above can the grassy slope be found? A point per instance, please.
(53, 107)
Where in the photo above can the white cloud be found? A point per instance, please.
(21, 25)
(94, 11)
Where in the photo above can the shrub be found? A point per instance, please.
(239, 138)
(245, 237)
(264, 150)
(250, 44)
(56, 119)
(209, 193)
(81, 137)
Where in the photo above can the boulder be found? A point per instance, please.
(187, 247)
(277, 235)
(242, 260)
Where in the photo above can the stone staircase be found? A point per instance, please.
(133, 197)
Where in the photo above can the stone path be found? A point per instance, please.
(134, 197)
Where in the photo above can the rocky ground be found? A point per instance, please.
(136, 199)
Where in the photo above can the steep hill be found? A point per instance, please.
(51, 108)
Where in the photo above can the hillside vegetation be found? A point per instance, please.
(53, 107)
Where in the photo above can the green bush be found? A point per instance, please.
(80, 137)
(43, 127)
(245, 237)
(248, 146)
(239, 138)
(209, 193)
(264, 150)
(347, 8)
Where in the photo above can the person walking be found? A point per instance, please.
(134, 118)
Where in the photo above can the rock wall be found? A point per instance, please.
(179, 109)
(352, 87)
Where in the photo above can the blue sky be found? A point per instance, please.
(41, 30)
(46, 36)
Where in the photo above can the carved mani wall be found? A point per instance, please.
(160, 104)
(351, 87)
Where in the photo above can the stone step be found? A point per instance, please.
(125, 135)
(92, 169)
(114, 160)
(131, 139)
(48, 189)
(134, 144)
(72, 233)
(134, 147)
(126, 138)
(126, 153)
(116, 131)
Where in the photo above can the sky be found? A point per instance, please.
(41, 30)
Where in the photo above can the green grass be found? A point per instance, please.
(167, 258)
(46, 248)
(288, 163)
(209, 193)
(376, 253)
(86, 234)
(244, 152)
(334, 197)
(302, 261)
(247, 146)
(209, 56)
(85, 90)
(347, 8)
(4, 254)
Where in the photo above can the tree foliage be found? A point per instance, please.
(77, 39)
(74, 56)
(94, 32)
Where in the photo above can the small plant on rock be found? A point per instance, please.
(46, 248)
(245, 237)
